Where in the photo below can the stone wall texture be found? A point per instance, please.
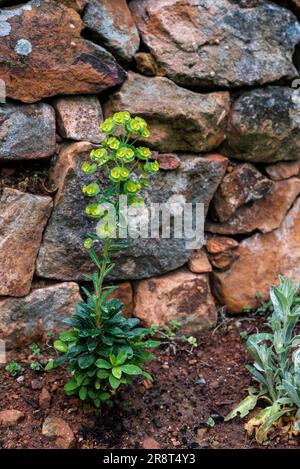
(217, 82)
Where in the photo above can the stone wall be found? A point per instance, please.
(214, 79)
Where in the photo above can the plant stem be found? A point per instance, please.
(101, 277)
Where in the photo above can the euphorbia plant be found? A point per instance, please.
(276, 367)
(104, 350)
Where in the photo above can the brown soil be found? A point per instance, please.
(188, 389)
(32, 178)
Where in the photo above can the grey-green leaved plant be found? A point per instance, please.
(104, 350)
(275, 367)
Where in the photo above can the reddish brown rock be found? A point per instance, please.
(79, 117)
(262, 258)
(36, 64)
(124, 293)
(199, 262)
(10, 417)
(110, 23)
(265, 214)
(167, 161)
(55, 428)
(242, 185)
(182, 296)
(219, 42)
(178, 119)
(22, 221)
(283, 170)
(44, 399)
(220, 244)
(147, 65)
(27, 320)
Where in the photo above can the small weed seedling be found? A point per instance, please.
(276, 368)
(170, 338)
(14, 368)
(104, 350)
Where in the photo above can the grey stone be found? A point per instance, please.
(25, 320)
(265, 126)
(111, 23)
(62, 256)
(26, 131)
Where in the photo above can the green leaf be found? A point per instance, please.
(85, 361)
(83, 393)
(132, 369)
(114, 382)
(60, 346)
(68, 336)
(243, 408)
(71, 385)
(102, 374)
(101, 363)
(151, 343)
(117, 372)
(147, 375)
(50, 365)
(121, 357)
(104, 396)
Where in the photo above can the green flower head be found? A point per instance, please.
(88, 243)
(93, 210)
(108, 126)
(154, 166)
(99, 155)
(106, 230)
(113, 143)
(88, 168)
(124, 174)
(91, 189)
(134, 126)
(132, 187)
(121, 118)
(143, 153)
(145, 133)
(115, 174)
(125, 153)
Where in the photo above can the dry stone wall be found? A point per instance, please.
(217, 82)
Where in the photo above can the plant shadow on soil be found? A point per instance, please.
(188, 391)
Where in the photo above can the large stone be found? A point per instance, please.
(182, 296)
(264, 126)
(242, 185)
(79, 117)
(265, 214)
(27, 131)
(111, 23)
(62, 255)
(219, 42)
(22, 221)
(262, 258)
(26, 320)
(178, 119)
(42, 53)
(283, 170)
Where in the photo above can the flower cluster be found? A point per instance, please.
(128, 166)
